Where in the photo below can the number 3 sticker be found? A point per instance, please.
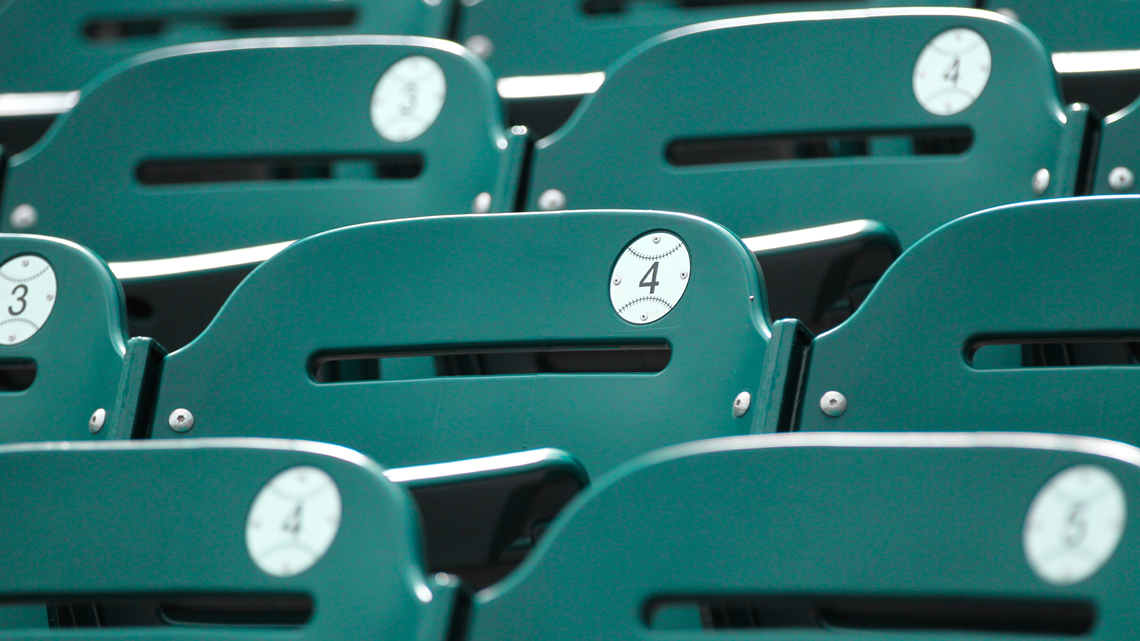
(27, 297)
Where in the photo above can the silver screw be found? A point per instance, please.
(482, 203)
(617, 280)
(480, 46)
(432, 3)
(442, 578)
(644, 317)
(97, 420)
(1041, 181)
(656, 239)
(519, 130)
(741, 404)
(833, 404)
(684, 275)
(1121, 179)
(551, 199)
(24, 217)
(181, 420)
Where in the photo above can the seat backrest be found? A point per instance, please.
(505, 285)
(295, 540)
(220, 146)
(58, 45)
(1035, 273)
(67, 369)
(840, 536)
(543, 37)
(1118, 156)
(1091, 25)
(736, 121)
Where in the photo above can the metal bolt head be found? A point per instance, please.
(181, 420)
(741, 404)
(656, 239)
(644, 317)
(1009, 13)
(617, 281)
(519, 130)
(833, 404)
(97, 421)
(24, 217)
(684, 275)
(442, 578)
(1041, 181)
(480, 46)
(1121, 179)
(482, 203)
(552, 199)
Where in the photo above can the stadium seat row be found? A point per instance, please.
(196, 162)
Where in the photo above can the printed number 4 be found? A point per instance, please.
(24, 303)
(650, 278)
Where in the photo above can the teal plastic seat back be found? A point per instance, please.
(300, 101)
(751, 79)
(1057, 271)
(571, 36)
(1091, 25)
(59, 45)
(78, 349)
(1118, 158)
(167, 524)
(873, 537)
(483, 284)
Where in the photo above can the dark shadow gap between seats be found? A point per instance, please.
(17, 375)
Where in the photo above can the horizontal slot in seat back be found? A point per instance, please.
(489, 284)
(217, 540)
(59, 45)
(736, 121)
(839, 536)
(64, 353)
(578, 36)
(221, 146)
(1056, 271)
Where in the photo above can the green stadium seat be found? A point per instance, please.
(1091, 25)
(67, 369)
(197, 162)
(602, 359)
(544, 37)
(839, 536)
(214, 540)
(938, 344)
(59, 45)
(1119, 153)
(739, 122)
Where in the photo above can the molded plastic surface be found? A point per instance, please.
(168, 519)
(751, 77)
(1062, 268)
(1088, 25)
(815, 515)
(261, 98)
(78, 353)
(558, 36)
(488, 282)
(46, 47)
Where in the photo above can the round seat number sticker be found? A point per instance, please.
(1074, 524)
(27, 296)
(952, 71)
(293, 521)
(650, 277)
(408, 98)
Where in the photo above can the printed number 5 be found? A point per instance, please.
(20, 299)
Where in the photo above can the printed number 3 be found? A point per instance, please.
(20, 299)
(650, 278)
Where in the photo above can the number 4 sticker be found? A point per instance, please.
(651, 277)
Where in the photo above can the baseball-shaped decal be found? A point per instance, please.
(951, 72)
(27, 296)
(1074, 524)
(650, 276)
(293, 521)
(408, 99)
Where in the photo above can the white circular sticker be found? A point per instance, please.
(951, 72)
(1074, 524)
(408, 98)
(650, 277)
(26, 298)
(293, 521)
